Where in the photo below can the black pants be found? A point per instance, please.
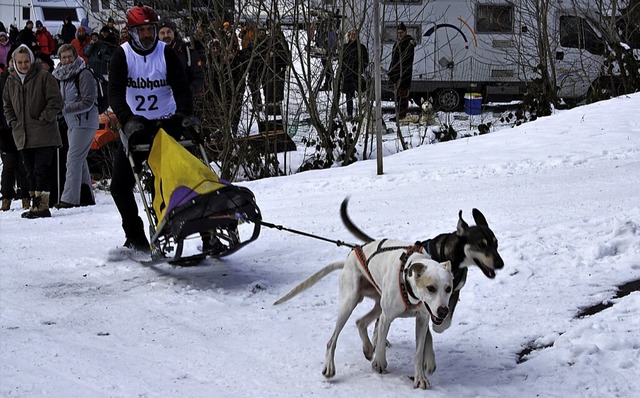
(13, 171)
(37, 162)
(123, 180)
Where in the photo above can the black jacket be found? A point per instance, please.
(119, 75)
(355, 58)
(192, 65)
(401, 69)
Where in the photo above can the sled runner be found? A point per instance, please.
(184, 198)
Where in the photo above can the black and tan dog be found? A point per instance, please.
(467, 246)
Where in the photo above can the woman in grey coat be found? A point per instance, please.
(31, 103)
(79, 92)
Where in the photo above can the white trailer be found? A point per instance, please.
(50, 12)
(483, 46)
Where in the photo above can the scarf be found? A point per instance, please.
(69, 71)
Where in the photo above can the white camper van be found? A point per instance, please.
(481, 46)
(51, 12)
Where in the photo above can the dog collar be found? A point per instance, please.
(405, 287)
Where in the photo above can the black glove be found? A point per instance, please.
(190, 121)
(133, 126)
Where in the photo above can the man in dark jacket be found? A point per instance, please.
(28, 37)
(401, 69)
(189, 58)
(355, 58)
(68, 32)
(147, 86)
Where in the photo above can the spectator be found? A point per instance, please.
(139, 107)
(254, 53)
(13, 171)
(277, 59)
(5, 49)
(92, 52)
(99, 54)
(401, 70)
(35, 129)
(46, 44)
(14, 35)
(27, 37)
(124, 35)
(108, 38)
(189, 58)
(68, 32)
(325, 38)
(2, 27)
(355, 58)
(79, 93)
(81, 42)
(84, 23)
(113, 32)
(45, 62)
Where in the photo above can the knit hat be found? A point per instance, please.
(165, 23)
(82, 29)
(111, 20)
(402, 27)
(105, 29)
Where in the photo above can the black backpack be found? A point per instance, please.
(102, 100)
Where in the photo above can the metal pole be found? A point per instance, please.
(377, 82)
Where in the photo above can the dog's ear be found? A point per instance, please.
(478, 217)
(462, 225)
(418, 268)
(446, 265)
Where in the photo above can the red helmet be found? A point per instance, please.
(141, 15)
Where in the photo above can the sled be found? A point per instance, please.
(184, 198)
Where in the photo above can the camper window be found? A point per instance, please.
(494, 18)
(59, 14)
(575, 32)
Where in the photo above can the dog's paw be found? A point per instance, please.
(329, 370)
(429, 364)
(379, 366)
(421, 382)
(367, 350)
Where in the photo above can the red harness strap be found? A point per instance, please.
(362, 259)
(409, 250)
(404, 290)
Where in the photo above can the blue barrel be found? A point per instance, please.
(473, 103)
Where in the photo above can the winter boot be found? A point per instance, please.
(40, 208)
(136, 238)
(26, 203)
(6, 204)
(86, 195)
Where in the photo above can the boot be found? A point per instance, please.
(86, 196)
(26, 203)
(135, 236)
(40, 208)
(6, 204)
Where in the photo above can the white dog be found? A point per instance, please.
(403, 282)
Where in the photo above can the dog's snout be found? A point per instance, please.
(443, 312)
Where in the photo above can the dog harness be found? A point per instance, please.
(404, 287)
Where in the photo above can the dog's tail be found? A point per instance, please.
(310, 281)
(350, 225)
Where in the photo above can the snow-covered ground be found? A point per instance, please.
(562, 195)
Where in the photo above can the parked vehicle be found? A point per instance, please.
(50, 12)
(483, 46)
